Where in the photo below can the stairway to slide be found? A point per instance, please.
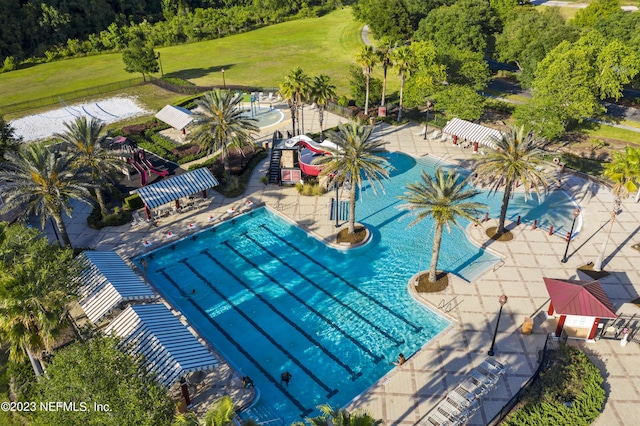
(274, 166)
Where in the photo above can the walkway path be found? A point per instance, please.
(407, 393)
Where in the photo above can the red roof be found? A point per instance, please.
(583, 298)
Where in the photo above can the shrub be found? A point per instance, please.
(309, 189)
(236, 189)
(568, 392)
(140, 129)
(97, 221)
(133, 202)
(343, 101)
(177, 81)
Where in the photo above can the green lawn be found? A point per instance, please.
(605, 131)
(260, 58)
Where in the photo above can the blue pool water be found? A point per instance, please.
(274, 299)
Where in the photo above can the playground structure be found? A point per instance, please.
(309, 151)
(137, 159)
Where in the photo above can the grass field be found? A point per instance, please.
(260, 58)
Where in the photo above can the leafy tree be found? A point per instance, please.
(322, 91)
(529, 36)
(515, 159)
(427, 75)
(543, 117)
(465, 68)
(221, 413)
(444, 198)
(386, 18)
(624, 171)
(9, 142)
(367, 59)
(597, 10)
(37, 280)
(341, 417)
(358, 86)
(295, 88)
(43, 181)
(355, 158)
(98, 371)
(459, 101)
(85, 140)
(140, 57)
(505, 8)
(404, 62)
(220, 125)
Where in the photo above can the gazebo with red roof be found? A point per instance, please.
(578, 306)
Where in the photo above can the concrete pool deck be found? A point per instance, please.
(407, 393)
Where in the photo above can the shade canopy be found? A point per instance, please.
(168, 347)
(107, 281)
(174, 116)
(472, 132)
(581, 298)
(174, 188)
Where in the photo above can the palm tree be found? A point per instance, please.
(516, 158)
(295, 89)
(339, 417)
(221, 413)
(43, 181)
(355, 158)
(404, 62)
(323, 91)
(624, 171)
(84, 139)
(367, 59)
(385, 56)
(444, 198)
(220, 125)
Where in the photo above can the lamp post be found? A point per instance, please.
(576, 213)
(337, 210)
(224, 83)
(502, 301)
(426, 124)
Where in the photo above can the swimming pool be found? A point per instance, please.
(274, 299)
(265, 116)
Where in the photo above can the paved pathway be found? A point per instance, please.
(407, 393)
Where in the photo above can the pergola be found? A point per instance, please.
(578, 305)
(172, 189)
(474, 133)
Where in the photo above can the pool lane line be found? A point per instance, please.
(323, 290)
(416, 328)
(256, 326)
(305, 411)
(363, 347)
(354, 374)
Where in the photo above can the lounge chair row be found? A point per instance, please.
(463, 401)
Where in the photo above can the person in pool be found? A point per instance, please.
(401, 360)
(285, 377)
(247, 382)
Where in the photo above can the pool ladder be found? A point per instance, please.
(448, 306)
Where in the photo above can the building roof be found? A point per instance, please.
(176, 187)
(174, 116)
(169, 348)
(107, 281)
(582, 298)
(472, 132)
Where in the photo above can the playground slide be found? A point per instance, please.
(149, 166)
(306, 141)
(141, 171)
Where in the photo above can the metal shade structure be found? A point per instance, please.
(168, 347)
(106, 282)
(472, 132)
(174, 188)
(174, 116)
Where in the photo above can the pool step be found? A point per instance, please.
(343, 210)
(263, 414)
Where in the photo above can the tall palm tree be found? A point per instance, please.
(295, 89)
(624, 171)
(355, 158)
(404, 62)
(339, 417)
(385, 56)
(84, 139)
(516, 158)
(367, 59)
(322, 91)
(445, 198)
(44, 181)
(220, 125)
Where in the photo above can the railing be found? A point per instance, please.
(549, 344)
(69, 96)
(194, 90)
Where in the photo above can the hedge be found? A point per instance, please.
(96, 221)
(133, 202)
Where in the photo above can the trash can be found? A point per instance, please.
(527, 325)
(382, 111)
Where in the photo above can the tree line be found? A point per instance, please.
(56, 29)
(571, 65)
